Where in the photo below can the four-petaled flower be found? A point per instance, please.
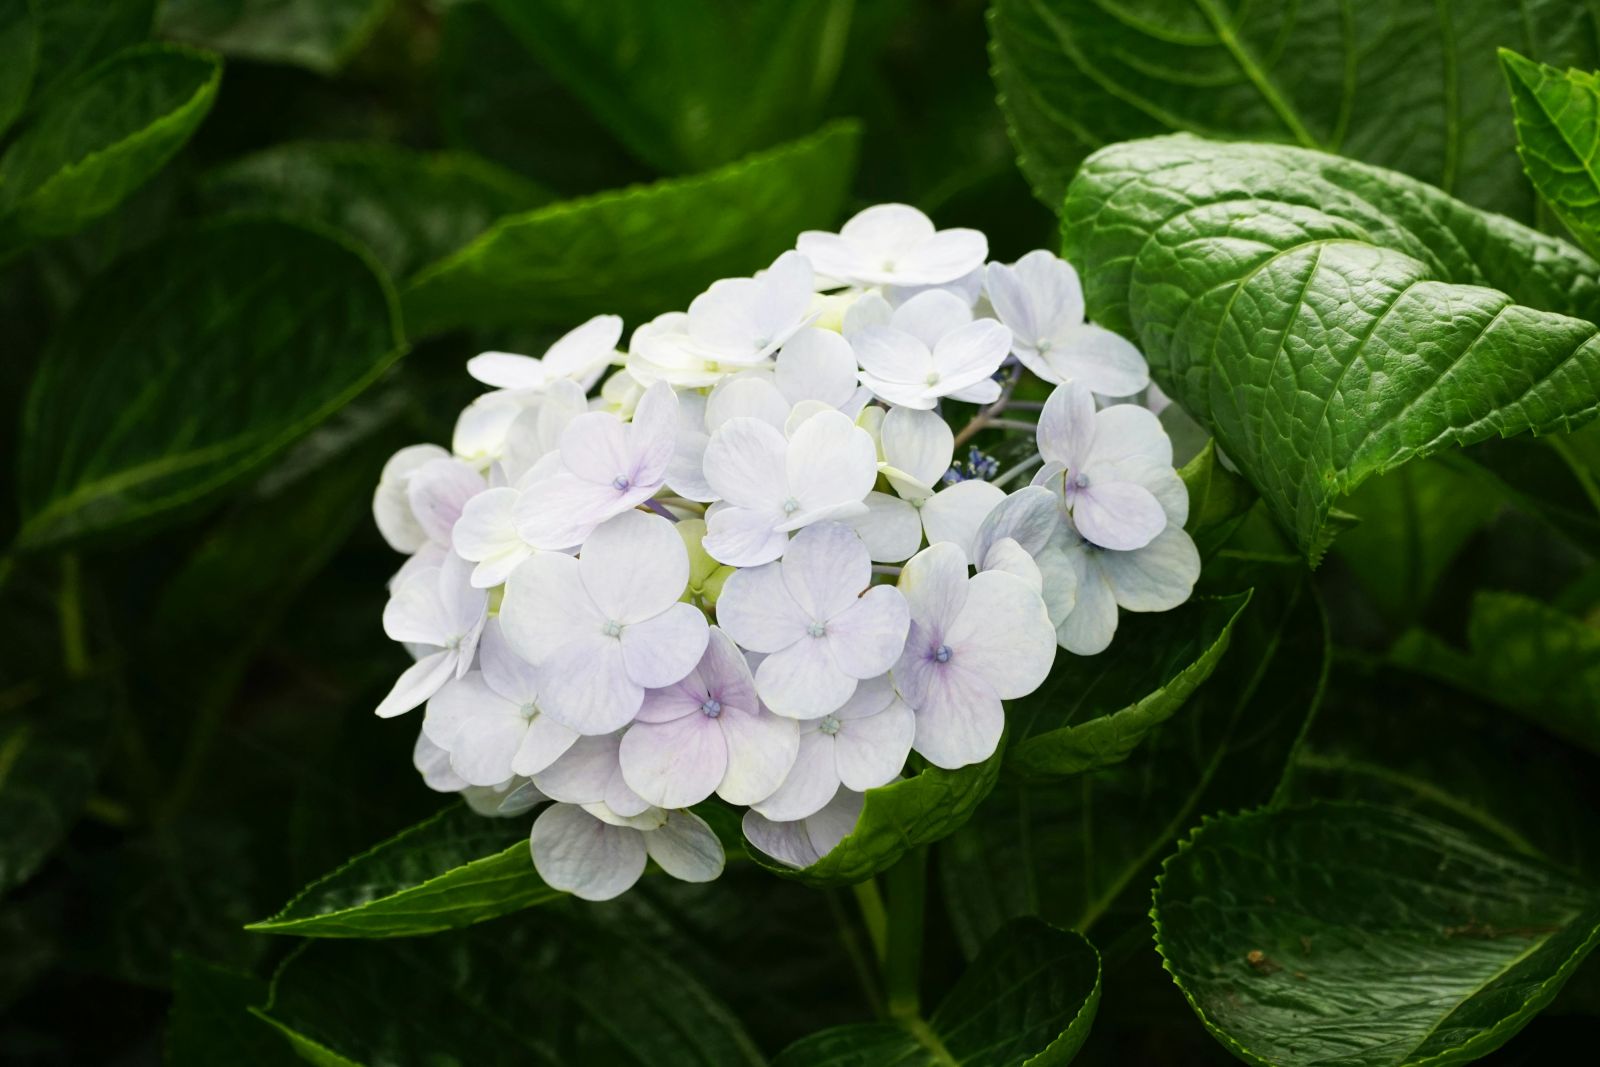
(437, 608)
(580, 355)
(922, 356)
(893, 244)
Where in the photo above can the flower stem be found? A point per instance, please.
(1019, 470)
(983, 418)
(902, 966)
(1013, 424)
(69, 602)
(873, 916)
(890, 569)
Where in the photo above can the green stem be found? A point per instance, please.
(69, 603)
(902, 966)
(873, 917)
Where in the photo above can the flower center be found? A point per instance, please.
(529, 710)
(712, 707)
(791, 506)
(932, 378)
(612, 628)
(1043, 344)
(943, 653)
(1081, 480)
(888, 265)
(453, 643)
(816, 629)
(620, 482)
(829, 725)
(762, 342)
(917, 503)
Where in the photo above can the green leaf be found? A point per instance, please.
(639, 251)
(1218, 499)
(694, 84)
(1030, 996)
(205, 355)
(408, 208)
(1083, 854)
(1337, 934)
(1558, 138)
(1411, 86)
(1095, 710)
(1327, 320)
(19, 57)
(1527, 656)
(454, 869)
(101, 138)
(211, 1021)
(896, 818)
(320, 35)
(541, 989)
(1414, 522)
(74, 35)
(51, 750)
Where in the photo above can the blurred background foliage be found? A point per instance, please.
(220, 220)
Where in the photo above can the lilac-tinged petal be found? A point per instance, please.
(686, 848)
(786, 842)
(586, 685)
(871, 751)
(803, 681)
(1092, 622)
(761, 748)
(725, 673)
(487, 535)
(545, 606)
(519, 800)
(633, 566)
(1067, 425)
(1157, 577)
(757, 610)
(934, 583)
(418, 682)
(577, 853)
(1029, 516)
(744, 537)
(872, 695)
(1003, 635)
(825, 568)
(1118, 515)
(661, 650)
(545, 741)
(673, 701)
(651, 436)
(583, 773)
(810, 783)
(674, 764)
(835, 822)
(867, 637)
(559, 512)
(594, 447)
(959, 720)
(955, 513)
(1014, 306)
(437, 491)
(506, 673)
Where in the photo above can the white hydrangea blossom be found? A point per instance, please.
(764, 560)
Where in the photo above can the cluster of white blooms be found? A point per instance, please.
(752, 565)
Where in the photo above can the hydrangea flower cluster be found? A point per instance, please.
(766, 561)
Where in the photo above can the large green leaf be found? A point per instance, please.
(455, 869)
(211, 1022)
(408, 208)
(696, 83)
(102, 137)
(1082, 854)
(1525, 655)
(204, 355)
(320, 35)
(1095, 710)
(1218, 499)
(19, 57)
(1346, 934)
(541, 989)
(74, 35)
(1029, 997)
(896, 818)
(640, 251)
(51, 750)
(1558, 138)
(1400, 83)
(1328, 320)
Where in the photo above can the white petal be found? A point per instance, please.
(519, 800)
(583, 352)
(934, 583)
(662, 649)
(578, 854)
(867, 637)
(1099, 360)
(743, 537)
(674, 764)
(786, 842)
(803, 681)
(1009, 557)
(830, 461)
(891, 528)
(886, 229)
(810, 784)
(959, 720)
(413, 612)
(744, 464)
(483, 747)
(871, 751)
(955, 513)
(761, 749)
(584, 772)
(505, 672)
(433, 763)
(506, 370)
(1090, 626)
(825, 568)
(545, 605)
(918, 447)
(457, 700)
(482, 429)
(1123, 430)
(932, 314)
(1157, 577)
(1013, 305)
(870, 309)
(945, 257)
(1118, 515)
(835, 822)
(969, 354)
(594, 446)
(634, 566)
(900, 394)
(558, 513)
(686, 848)
(748, 398)
(757, 610)
(892, 355)
(1003, 635)
(545, 742)
(1067, 425)
(391, 509)
(419, 682)
(1029, 517)
(817, 365)
(485, 528)
(986, 391)
(651, 436)
(585, 685)
(686, 474)
(438, 490)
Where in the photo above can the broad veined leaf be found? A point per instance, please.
(1347, 934)
(896, 818)
(642, 250)
(1558, 138)
(320, 35)
(211, 1023)
(1525, 655)
(19, 57)
(693, 84)
(1082, 854)
(51, 750)
(205, 355)
(1094, 711)
(1029, 997)
(540, 989)
(74, 35)
(1406, 85)
(1414, 522)
(408, 208)
(454, 869)
(100, 138)
(1327, 320)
